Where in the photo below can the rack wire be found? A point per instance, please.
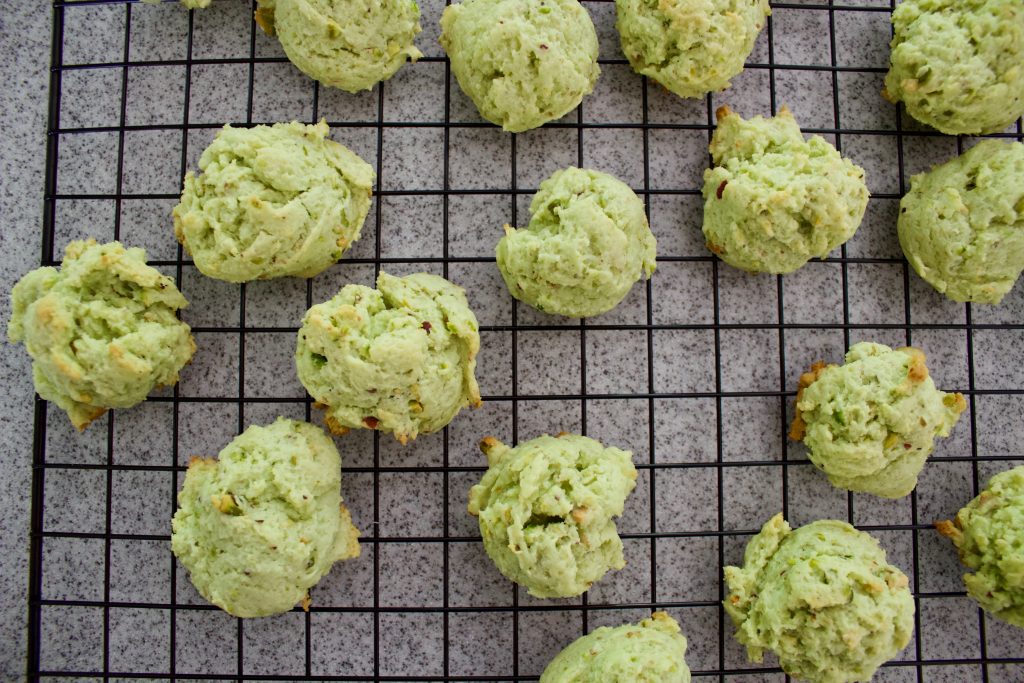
(108, 602)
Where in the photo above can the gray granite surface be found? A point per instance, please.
(650, 391)
(24, 59)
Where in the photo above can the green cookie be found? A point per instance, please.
(522, 62)
(258, 527)
(649, 652)
(871, 423)
(692, 47)
(822, 598)
(272, 201)
(546, 510)
(961, 225)
(958, 65)
(587, 243)
(399, 358)
(773, 200)
(347, 44)
(102, 331)
(989, 535)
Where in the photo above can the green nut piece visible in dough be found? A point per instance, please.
(546, 510)
(961, 225)
(989, 535)
(692, 47)
(822, 598)
(259, 526)
(400, 358)
(586, 245)
(522, 62)
(773, 200)
(346, 44)
(958, 65)
(102, 331)
(871, 423)
(649, 652)
(272, 201)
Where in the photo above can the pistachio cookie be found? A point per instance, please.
(871, 423)
(522, 62)
(649, 652)
(692, 47)
(822, 598)
(546, 510)
(989, 536)
(260, 525)
(587, 243)
(961, 225)
(272, 201)
(346, 44)
(958, 65)
(102, 330)
(773, 200)
(400, 358)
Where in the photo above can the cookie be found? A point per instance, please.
(691, 47)
(649, 652)
(400, 358)
(871, 423)
(822, 598)
(546, 510)
(346, 44)
(586, 245)
(189, 4)
(958, 65)
(522, 62)
(961, 225)
(989, 536)
(272, 201)
(773, 200)
(259, 526)
(102, 331)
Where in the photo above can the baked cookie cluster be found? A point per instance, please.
(261, 524)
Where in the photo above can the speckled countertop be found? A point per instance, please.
(649, 381)
(24, 59)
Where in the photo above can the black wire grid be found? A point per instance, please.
(701, 619)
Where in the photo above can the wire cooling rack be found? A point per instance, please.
(695, 371)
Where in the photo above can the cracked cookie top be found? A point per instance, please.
(546, 510)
